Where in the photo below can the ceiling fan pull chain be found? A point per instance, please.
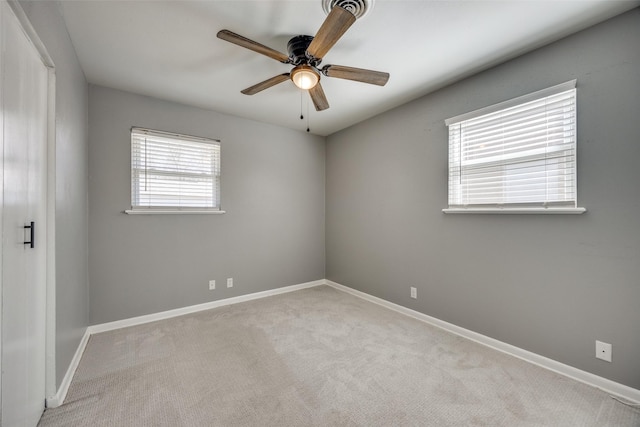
(307, 114)
(301, 116)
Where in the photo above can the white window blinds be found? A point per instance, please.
(170, 171)
(516, 154)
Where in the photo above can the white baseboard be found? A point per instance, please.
(612, 387)
(133, 321)
(57, 399)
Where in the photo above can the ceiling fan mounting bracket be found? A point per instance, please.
(324, 70)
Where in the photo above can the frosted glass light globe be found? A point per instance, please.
(304, 77)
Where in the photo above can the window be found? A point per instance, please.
(518, 156)
(173, 173)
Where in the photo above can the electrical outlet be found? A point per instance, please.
(414, 293)
(212, 285)
(603, 351)
(230, 282)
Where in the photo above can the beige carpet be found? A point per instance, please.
(316, 357)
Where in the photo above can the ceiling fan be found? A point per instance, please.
(305, 54)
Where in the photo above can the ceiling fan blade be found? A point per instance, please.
(357, 74)
(337, 23)
(251, 45)
(266, 84)
(318, 97)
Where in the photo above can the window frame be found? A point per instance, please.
(145, 210)
(515, 208)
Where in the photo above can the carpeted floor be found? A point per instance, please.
(316, 357)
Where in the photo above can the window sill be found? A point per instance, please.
(521, 211)
(172, 212)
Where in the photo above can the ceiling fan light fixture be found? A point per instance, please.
(305, 77)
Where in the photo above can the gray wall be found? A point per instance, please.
(550, 284)
(271, 236)
(72, 288)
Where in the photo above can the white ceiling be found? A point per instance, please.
(169, 49)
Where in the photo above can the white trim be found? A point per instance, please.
(140, 320)
(579, 375)
(31, 33)
(2, 12)
(532, 210)
(553, 90)
(50, 347)
(172, 212)
(57, 399)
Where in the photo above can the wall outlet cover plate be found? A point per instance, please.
(603, 351)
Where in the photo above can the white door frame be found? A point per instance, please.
(50, 345)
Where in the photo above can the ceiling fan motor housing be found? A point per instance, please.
(297, 49)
